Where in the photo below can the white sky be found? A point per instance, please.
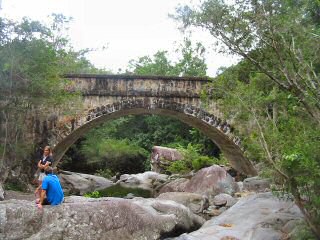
(128, 28)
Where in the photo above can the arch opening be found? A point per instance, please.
(218, 131)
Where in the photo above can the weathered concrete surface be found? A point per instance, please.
(105, 218)
(259, 216)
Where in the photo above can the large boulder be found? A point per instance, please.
(104, 218)
(176, 185)
(212, 181)
(147, 180)
(195, 202)
(80, 183)
(257, 216)
(163, 156)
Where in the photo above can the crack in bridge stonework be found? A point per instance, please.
(109, 97)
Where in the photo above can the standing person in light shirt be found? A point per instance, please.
(43, 163)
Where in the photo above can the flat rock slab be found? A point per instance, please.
(259, 216)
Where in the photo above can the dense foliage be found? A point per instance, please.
(33, 58)
(273, 94)
(192, 160)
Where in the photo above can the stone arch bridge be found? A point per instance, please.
(108, 97)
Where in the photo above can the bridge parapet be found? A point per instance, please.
(133, 86)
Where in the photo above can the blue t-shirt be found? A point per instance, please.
(53, 189)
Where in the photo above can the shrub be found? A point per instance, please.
(106, 173)
(95, 194)
(202, 162)
(179, 166)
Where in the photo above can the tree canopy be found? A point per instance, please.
(33, 59)
(273, 94)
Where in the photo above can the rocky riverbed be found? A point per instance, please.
(206, 205)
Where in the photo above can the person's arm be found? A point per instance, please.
(37, 189)
(42, 196)
(46, 165)
(39, 164)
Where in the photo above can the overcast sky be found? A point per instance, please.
(128, 28)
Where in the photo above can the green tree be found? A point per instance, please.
(275, 130)
(273, 94)
(280, 38)
(33, 58)
(119, 156)
(190, 62)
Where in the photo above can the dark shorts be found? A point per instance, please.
(45, 202)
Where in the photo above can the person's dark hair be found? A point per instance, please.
(48, 170)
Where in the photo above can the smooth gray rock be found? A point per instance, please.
(176, 185)
(258, 216)
(212, 181)
(80, 183)
(145, 180)
(104, 218)
(195, 202)
(256, 184)
(223, 199)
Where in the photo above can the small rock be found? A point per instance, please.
(223, 199)
(129, 196)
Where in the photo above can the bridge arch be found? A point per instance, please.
(213, 127)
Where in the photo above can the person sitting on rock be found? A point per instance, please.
(51, 193)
